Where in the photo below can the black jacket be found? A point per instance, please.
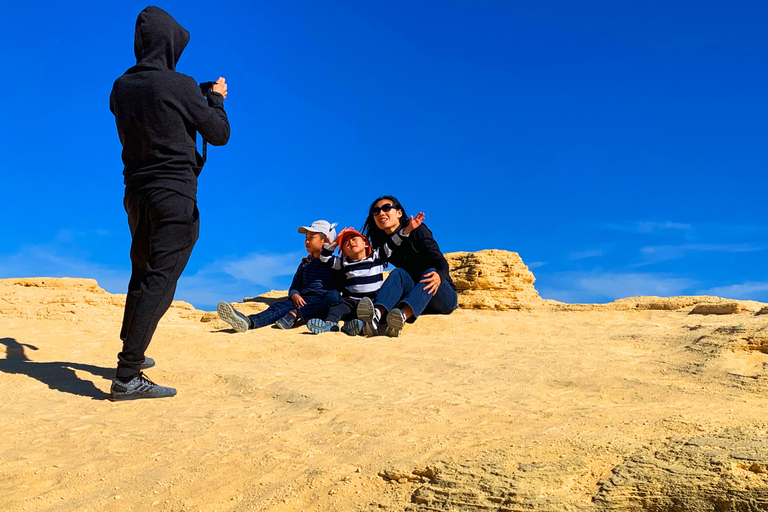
(418, 252)
(158, 111)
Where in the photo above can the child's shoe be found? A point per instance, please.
(238, 321)
(318, 326)
(287, 321)
(395, 323)
(352, 327)
(369, 315)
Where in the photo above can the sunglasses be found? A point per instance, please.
(383, 208)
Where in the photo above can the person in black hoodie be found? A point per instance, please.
(421, 283)
(158, 114)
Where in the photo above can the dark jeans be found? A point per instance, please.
(164, 226)
(344, 310)
(399, 289)
(317, 306)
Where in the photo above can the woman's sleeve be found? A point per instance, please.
(424, 236)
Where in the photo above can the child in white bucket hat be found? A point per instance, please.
(314, 289)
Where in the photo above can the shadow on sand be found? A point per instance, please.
(57, 375)
(266, 300)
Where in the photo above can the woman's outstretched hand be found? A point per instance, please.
(413, 223)
(432, 282)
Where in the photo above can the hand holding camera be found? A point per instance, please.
(219, 86)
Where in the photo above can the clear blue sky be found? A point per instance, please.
(619, 147)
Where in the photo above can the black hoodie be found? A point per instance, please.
(158, 111)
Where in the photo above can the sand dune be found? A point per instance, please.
(544, 407)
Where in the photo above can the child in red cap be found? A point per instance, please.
(364, 274)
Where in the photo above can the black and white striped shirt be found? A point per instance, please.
(363, 277)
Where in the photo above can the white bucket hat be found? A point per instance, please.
(321, 226)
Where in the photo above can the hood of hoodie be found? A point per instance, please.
(159, 39)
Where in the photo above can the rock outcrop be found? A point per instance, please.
(719, 472)
(726, 472)
(725, 308)
(71, 299)
(492, 279)
(699, 304)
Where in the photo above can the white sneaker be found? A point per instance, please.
(236, 319)
(369, 315)
(395, 323)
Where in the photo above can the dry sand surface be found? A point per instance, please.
(543, 409)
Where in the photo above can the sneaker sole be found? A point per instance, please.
(134, 397)
(318, 326)
(227, 313)
(352, 327)
(395, 326)
(281, 326)
(365, 314)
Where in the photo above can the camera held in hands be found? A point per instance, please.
(206, 87)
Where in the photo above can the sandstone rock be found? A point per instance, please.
(71, 299)
(400, 476)
(663, 303)
(722, 308)
(709, 473)
(491, 486)
(492, 279)
(54, 283)
(708, 303)
(254, 305)
(725, 471)
(209, 316)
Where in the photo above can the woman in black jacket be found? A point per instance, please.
(421, 283)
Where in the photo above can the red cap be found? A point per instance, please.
(351, 232)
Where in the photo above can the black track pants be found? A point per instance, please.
(164, 227)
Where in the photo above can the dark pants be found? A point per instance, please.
(317, 306)
(344, 310)
(164, 227)
(399, 288)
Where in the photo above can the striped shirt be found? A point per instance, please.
(363, 277)
(314, 277)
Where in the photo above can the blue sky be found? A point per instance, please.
(619, 148)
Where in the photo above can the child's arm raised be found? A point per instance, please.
(326, 255)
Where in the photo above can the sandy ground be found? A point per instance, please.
(290, 421)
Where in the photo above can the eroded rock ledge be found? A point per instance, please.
(490, 279)
(724, 472)
(493, 279)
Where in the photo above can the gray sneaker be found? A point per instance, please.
(148, 363)
(138, 387)
(236, 319)
(352, 327)
(367, 314)
(318, 326)
(395, 323)
(287, 321)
